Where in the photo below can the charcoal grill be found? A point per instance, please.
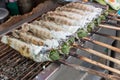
(13, 66)
(16, 67)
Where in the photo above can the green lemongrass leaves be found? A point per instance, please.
(54, 55)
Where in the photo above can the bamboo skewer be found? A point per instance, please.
(109, 36)
(91, 71)
(116, 19)
(103, 44)
(109, 27)
(113, 17)
(102, 55)
(95, 63)
(113, 14)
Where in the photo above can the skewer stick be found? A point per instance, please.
(103, 44)
(109, 27)
(116, 19)
(91, 71)
(94, 63)
(113, 14)
(102, 55)
(109, 36)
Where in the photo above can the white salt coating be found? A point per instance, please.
(51, 43)
(37, 53)
(58, 35)
(71, 29)
(4, 39)
(35, 49)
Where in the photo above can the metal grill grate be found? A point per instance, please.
(14, 66)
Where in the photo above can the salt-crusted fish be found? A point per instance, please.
(27, 50)
(62, 20)
(31, 39)
(84, 7)
(86, 14)
(44, 33)
(57, 19)
(47, 24)
(70, 15)
(80, 12)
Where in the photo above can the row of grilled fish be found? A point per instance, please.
(34, 39)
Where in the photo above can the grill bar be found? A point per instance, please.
(27, 71)
(33, 67)
(7, 56)
(8, 76)
(33, 75)
(5, 52)
(11, 60)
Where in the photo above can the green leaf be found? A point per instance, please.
(99, 20)
(90, 27)
(106, 13)
(54, 55)
(65, 48)
(71, 40)
(102, 17)
(82, 33)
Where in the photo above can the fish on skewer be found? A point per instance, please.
(29, 38)
(76, 17)
(47, 24)
(37, 31)
(31, 51)
(84, 7)
(66, 14)
(58, 19)
(57, 27)
(86, 14)
(64, 20)
(44, 33)
(80, 12)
